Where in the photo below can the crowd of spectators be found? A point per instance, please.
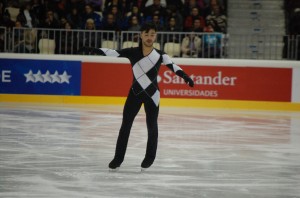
(116, 15)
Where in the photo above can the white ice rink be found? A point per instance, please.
(64, 151)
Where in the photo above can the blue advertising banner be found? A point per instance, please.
(53, 77)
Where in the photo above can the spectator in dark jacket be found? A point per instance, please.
(90, 14)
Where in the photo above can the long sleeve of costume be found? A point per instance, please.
(105, 52)
(175, 68)
(115, 53)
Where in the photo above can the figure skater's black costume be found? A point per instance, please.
(145, 90)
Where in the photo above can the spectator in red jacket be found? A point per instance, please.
(195, 14)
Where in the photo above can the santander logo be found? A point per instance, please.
(219, 79)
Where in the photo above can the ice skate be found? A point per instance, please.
(147, 162)
(114, 165)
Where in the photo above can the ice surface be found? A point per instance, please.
(64, 151)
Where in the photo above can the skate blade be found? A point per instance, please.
(114, 169)
(144, 169)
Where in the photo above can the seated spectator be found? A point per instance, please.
(63, 21)
(217, 20)
(124, 7)
(18, 35)
(38, 12)
(75, 18)
(173, 12)
(90, 24)
(189, 20)
(6, 21)
(62, 8)
(28, 45)
(220, 3)
(110, 23)
(50, 22)
(178, 4)
(26, 16)
(12, 8)
(90, 14)
(140, 4)
(212, 42)
(155, 9)
(171, 27)
(109, 4)
(97, 4)
(68, 40)
(90, 38)
(135, 11)
(18, 31)
(120, 20)
(197, 25)
(190, 4)
(134, 25)
(191, 46)
(158, 21)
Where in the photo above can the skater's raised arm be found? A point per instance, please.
(177, 70)
(104, 52)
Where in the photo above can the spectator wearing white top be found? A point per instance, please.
(191, 46)
(26, 17)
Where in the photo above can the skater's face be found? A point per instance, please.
(148, 38)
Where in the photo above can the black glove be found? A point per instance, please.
(84, 50)
(188, 80)
(89, 51)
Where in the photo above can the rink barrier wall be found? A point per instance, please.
(167, 102)
(220, 83)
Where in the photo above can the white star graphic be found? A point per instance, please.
(39, 77)
(47, 77)
(29, 77)
(65, 77)
(55, 77)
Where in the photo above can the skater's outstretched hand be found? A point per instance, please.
(185, 77)
(89, 51)
(188, 80)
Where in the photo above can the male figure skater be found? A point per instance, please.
(145, 61)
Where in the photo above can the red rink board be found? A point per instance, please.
(105, 79)
(211, 82)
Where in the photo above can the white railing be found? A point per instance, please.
(292, 48)
(56, 41)
(208, 45)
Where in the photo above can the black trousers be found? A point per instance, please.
(132, 106)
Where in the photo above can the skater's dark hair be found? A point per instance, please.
(148, 26)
